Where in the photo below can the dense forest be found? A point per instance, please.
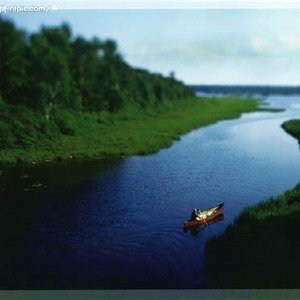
(49, 78)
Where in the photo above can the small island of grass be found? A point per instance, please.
(292, 127)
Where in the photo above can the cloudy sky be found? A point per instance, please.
(202, 46)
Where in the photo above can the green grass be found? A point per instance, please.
(130, 132)
(292, 127)
(261, 249)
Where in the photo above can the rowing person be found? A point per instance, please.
(194, 215)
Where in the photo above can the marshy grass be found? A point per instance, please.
(131, 131)
(292, 127)
(261, 248)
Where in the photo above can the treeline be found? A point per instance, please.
(49, 72)
(246, 89)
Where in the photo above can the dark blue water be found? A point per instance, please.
(117, 224)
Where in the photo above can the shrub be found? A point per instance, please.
(66, 122)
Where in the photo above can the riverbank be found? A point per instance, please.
(261, 249)
(292, 127)
(132, 132)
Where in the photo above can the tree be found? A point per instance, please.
(85, 64)
(12, 62)
(51, 81)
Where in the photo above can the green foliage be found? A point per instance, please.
(53, 85)
(49, 73)
(66, 122)
(293, 196)
(53, 69)
(12, 62)
(20, 127)
(64, 96)
(292, 127)
(261, 248)
(6, 138)
(126, 132)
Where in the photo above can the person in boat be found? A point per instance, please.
(194, 215)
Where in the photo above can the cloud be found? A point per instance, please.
(280, 45)
(261, 45)
(291, 42)
(218, 49)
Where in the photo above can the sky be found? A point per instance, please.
(202, 45)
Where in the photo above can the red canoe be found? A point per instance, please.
(205, 216)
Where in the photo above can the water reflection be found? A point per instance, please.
(20, 178)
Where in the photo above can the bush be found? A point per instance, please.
(21, 127)
(66, 122)
(7, 139)
(293, 196)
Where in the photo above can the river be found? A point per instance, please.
(118, 223)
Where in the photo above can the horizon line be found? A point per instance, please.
(243, 85)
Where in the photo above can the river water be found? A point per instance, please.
(118, 223)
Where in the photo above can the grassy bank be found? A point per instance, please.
(129, 131)
(292, 127)
(261, 249)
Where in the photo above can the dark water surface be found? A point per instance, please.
(117, 224)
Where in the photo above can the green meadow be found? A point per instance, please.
(129, 131)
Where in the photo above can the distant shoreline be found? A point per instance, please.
(263, 90)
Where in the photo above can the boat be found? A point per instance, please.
(205, 216)
(197, 228)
